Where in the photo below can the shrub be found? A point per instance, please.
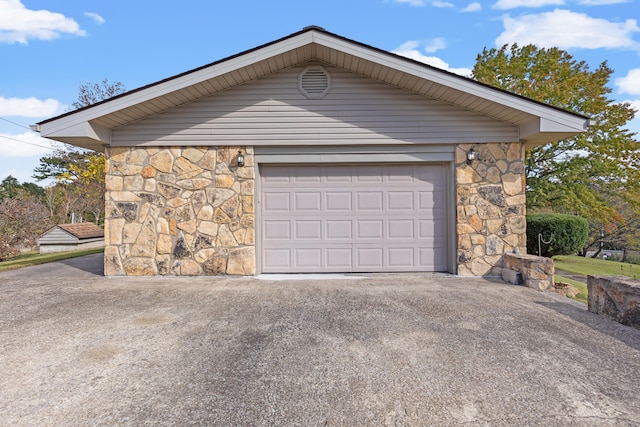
(567, 234)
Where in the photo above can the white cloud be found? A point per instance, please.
(19, 24)
(411, 2)
(97, 18)
(442, 4)
(30, 107)
(630, 83)
(566, 29)
(24, 145)
(512, 4)
(409, 50)
(435, 45)
(600, 2)
(472, 7)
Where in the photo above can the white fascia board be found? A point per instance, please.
(446, 79)
(176, 84)
(539, 131)
(82, 129)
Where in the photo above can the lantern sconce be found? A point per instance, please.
(471, 155)
(240, 158)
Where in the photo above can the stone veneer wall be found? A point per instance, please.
(179, 211)
(490, 207)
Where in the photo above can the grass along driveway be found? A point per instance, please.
(35, 258)
(582, 266)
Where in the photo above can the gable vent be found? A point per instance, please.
(314, 82)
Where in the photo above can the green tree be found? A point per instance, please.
(580, 175)
(10, 187)
(79, 174)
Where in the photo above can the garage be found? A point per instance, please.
(313, 153)
(354, 218)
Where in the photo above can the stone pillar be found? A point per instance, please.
(179, 211)
(490, 207)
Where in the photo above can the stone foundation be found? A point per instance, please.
(179, 211)
(616, 297)
(490, 207)
(530, 270)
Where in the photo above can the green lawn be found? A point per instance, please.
(586, 266)
(34, 258)
(582, 287)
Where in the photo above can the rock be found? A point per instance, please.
(162, 161)
(217, 196)
(194, 155)
(181, 249)
(225, 238)
(230, 207)
(512, 184)
(112, 262)
(203, 242)
(113, 182)
(189, 267)
(493, 194)
(220, 217)
(133, 183)
(215, 266)
(209, 228)
(194, 183)
(113, 231)
(242, 261)
(615, 297)
(148, 172)
(145, 245)
(128, 210)
(162, 263)
(185, 169)
(140, 267)
(208, 160)
(164, 245)
(168, 191)
(130, 232)
(224, 181)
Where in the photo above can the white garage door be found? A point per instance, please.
(361, 218)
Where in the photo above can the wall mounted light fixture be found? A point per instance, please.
(240, 158)
(471, 155)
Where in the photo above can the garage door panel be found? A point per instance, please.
(308, 230)
(277, 230)
(367, 258)
(308, 201)
(277, 202)
(339, 229)
(355, 218)
(400, 229)
(308, 258)
(401, 257)
(339, 259)
(369, 200)
(400, 200)
(278, 259)
(338, 201)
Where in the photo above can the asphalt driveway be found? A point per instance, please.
(400, 350)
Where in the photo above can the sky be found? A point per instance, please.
(49, 48)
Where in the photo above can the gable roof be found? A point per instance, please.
(91, 126)
(83, 230)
